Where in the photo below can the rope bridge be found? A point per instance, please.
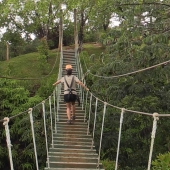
(52, 107)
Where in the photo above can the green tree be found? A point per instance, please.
(14, 100)
(139, 42)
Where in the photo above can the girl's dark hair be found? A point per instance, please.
(69, 71)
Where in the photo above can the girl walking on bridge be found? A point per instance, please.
(70, 94)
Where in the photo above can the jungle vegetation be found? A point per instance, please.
(140, 40)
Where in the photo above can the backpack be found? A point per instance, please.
(70, 90)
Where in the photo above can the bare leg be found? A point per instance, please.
(73, 109)
(68, 110)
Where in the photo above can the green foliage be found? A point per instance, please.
(43, 50)
(161, 162)
(16, 43)
(68, 33)
(2, 51)
(15, 100)
(130, 47)
(108, 165)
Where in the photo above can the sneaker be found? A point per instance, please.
(73, 117)
(68, 121)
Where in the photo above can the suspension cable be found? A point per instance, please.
(130, 73)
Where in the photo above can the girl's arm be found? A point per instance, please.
(57, 82)
(79, 82)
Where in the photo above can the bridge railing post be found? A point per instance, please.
(83, 94)
(86, 106)
(51, 118)
(89, 114)
(55, 112)
(8, 140)
(156, 118)
(94, 125)
(45, 130)
(120, 131)
(101, 136)
(33, 136)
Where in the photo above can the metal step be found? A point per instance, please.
(92, 155)
(61, 138)
(72, 136)
(72, 159)
(77, 125)
(71, 150)
(73, 128)
(69, 62)
(73, 146)
(78, 112)
(68, 142)
(68, 58)
(71, 169)
(78, 116)
(73, 164)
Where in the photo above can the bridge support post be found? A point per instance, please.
(94, 125)
(101, 136)
(33, 136)
(51, 118)
(156, 118)
(8, 140)
(120, 131)
(89, 114)
(86, 105)
(45, 130)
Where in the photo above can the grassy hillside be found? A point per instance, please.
(29, 66)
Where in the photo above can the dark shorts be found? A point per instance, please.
(69, 98)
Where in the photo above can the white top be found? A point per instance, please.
(69, 79)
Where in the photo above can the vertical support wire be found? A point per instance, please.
(57, 101)
(120, 131)
(51, 118)
(94, 125)
(101, 136)
(58, 106)
(83, 96)
(81, 92)
(8, 140)
(78, 66)
(86, 106)
(156, 118)
(33, 136)
(81, 70)
(89, 114)
(55, 121)
(45, 130)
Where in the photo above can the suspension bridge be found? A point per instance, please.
(72, 146)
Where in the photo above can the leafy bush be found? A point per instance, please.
(162, 162)
(108, 164)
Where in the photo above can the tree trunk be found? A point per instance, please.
(60, 33)
(75, 30)
(7, 50)
(81, 32)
